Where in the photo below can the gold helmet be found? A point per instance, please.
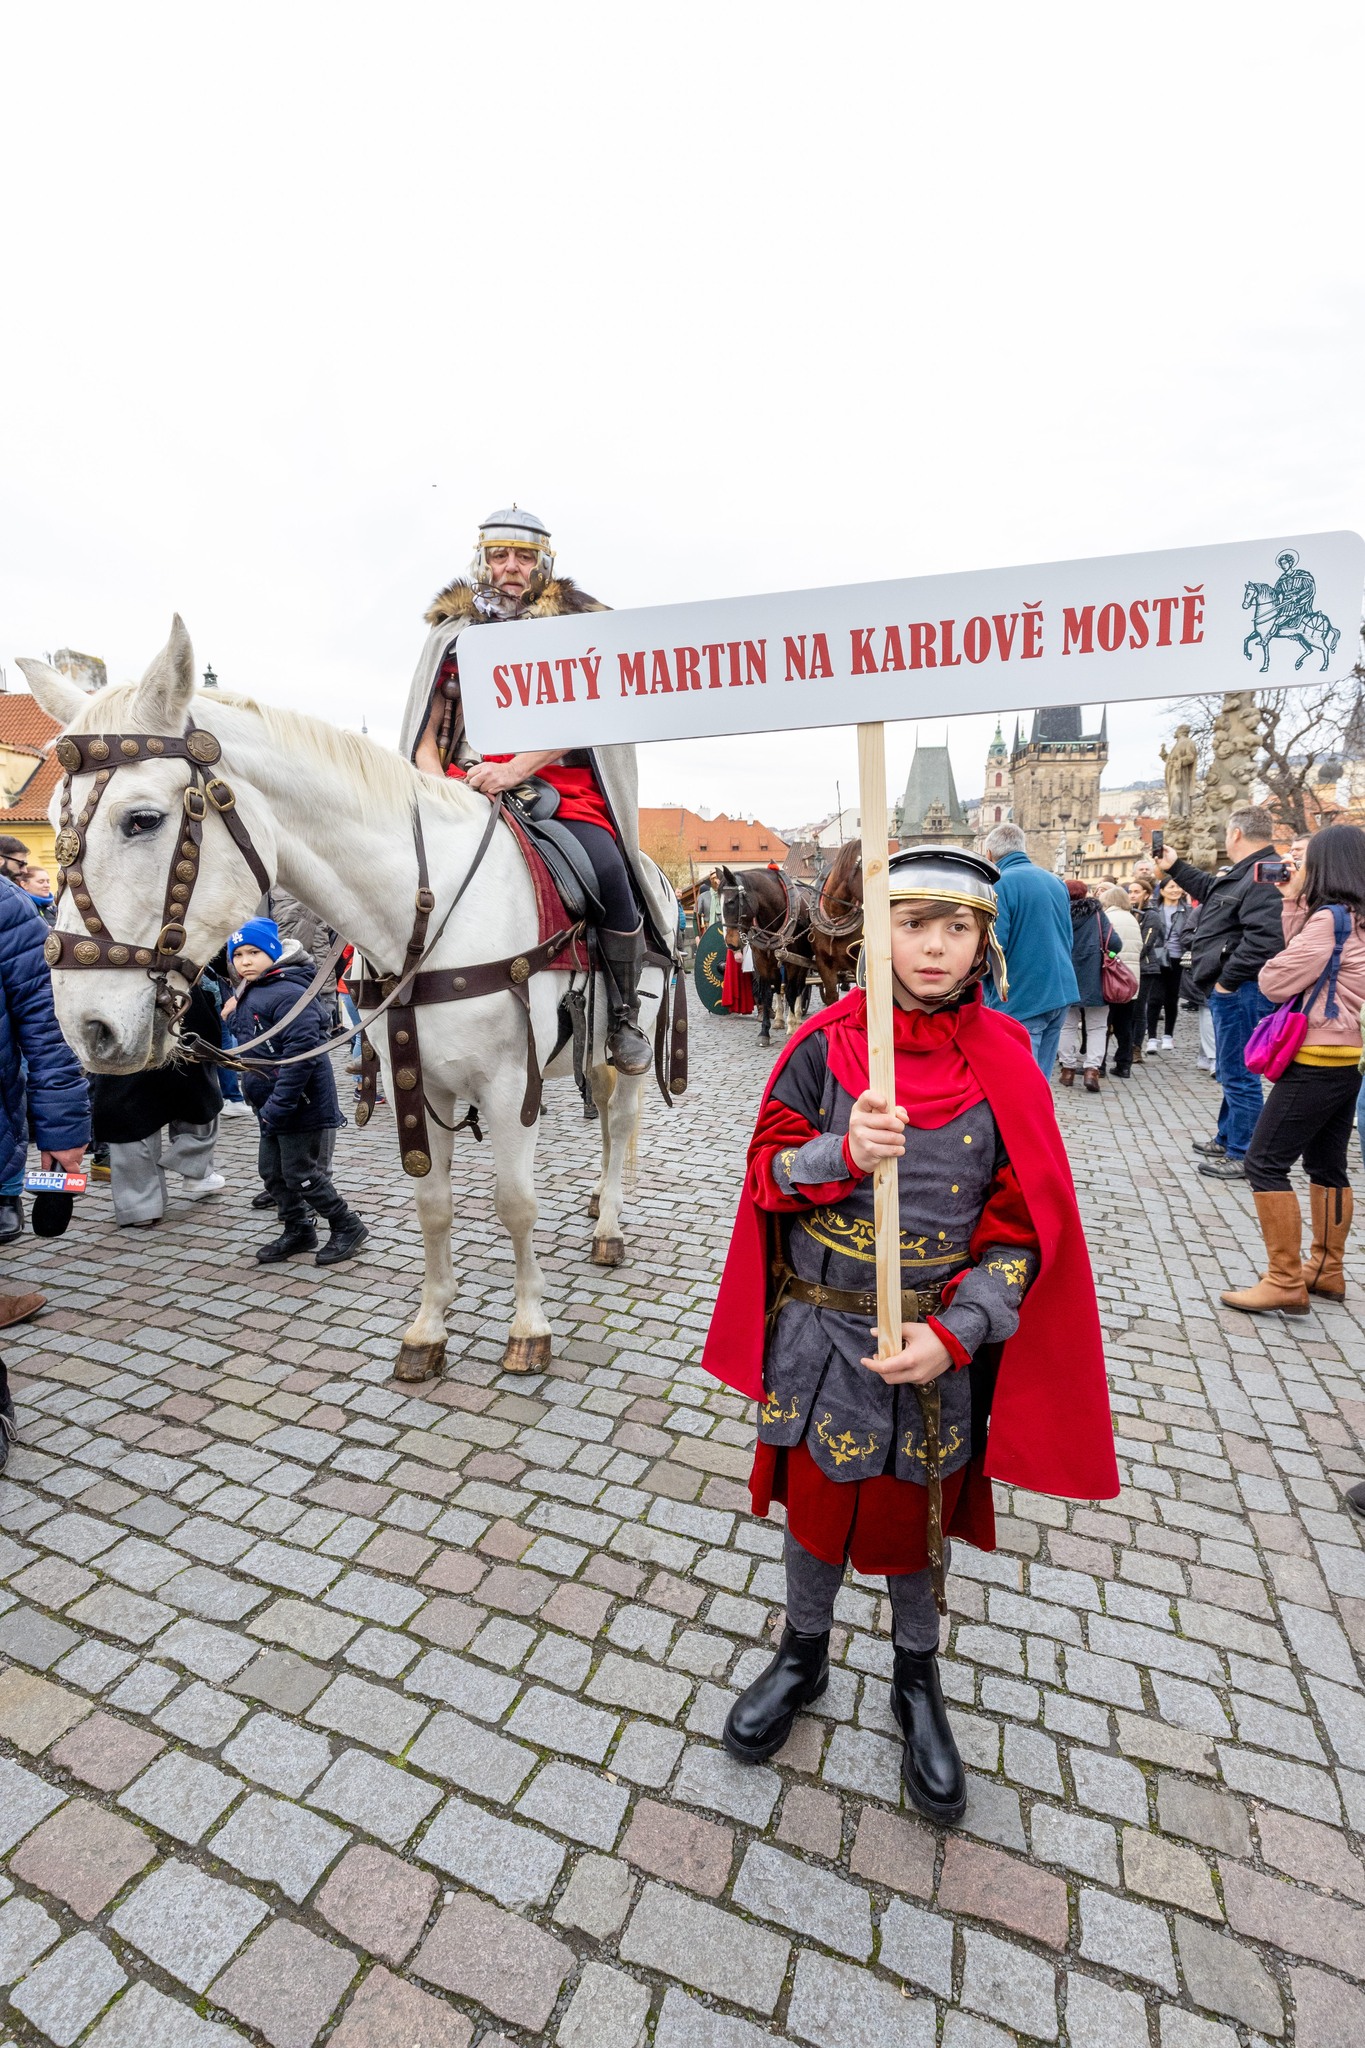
(950, 874)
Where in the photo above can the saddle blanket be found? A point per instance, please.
(550, 912)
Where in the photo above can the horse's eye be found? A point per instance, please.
(137, 824)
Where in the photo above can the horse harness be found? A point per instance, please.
(399, 995)
(776, 939)
(101, 754)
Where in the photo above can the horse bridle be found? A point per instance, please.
(101, 755)
(769, 938)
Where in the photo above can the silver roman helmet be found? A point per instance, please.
(512, 528)
(950, 874)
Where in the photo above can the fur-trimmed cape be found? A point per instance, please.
(556, 596)
(449, 614)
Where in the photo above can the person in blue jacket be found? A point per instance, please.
(297, 1104)
(1033, 926)
(42, 1092)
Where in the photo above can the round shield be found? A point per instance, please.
(708, 971)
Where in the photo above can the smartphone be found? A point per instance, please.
(1158, 843)
(1272, 871)
(55, 1183)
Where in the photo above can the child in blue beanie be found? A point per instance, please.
(296, 1105)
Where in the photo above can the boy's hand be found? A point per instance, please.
(230, 1007)
(874, 1132)
(921, 1358)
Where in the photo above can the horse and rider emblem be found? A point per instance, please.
(1286, 611)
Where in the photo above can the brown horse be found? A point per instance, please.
(760, 908)
(837, 922)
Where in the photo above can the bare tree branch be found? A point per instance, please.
(1300, 731)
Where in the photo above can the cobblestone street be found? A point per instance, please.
(336, 1710)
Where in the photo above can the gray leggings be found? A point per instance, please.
(812, 1586)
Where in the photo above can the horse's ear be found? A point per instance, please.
(58, 696)
(163, 695)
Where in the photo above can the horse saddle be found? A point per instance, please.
(534, 804)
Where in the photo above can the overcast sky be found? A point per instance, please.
(739, 298)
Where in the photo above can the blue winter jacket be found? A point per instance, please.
(302, 1097)
(1033, 925)
(52, 1101)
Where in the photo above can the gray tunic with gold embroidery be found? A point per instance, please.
(854, 1425)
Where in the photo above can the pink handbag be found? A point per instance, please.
(1277, 1038)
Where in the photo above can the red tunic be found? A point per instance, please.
(737, 989)
(579, 797)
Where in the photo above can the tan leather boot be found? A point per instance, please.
(1281, 1287)
(1323, 1271)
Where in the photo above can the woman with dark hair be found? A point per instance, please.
(1310, 1109)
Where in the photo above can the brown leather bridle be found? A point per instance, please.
(101, 755)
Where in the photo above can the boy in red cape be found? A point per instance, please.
(1001, 1374)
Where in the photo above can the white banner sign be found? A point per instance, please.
(1182, 622)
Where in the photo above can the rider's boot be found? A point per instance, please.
(623, 955)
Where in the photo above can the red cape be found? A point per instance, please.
(1050, 1428)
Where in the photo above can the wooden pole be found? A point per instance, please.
(881, 1049)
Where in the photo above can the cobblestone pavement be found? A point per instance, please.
(331, 1710)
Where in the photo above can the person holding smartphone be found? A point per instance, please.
(1239, 929)
(1313, 1104)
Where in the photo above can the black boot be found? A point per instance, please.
(623, 955)
(9, 1427)
(11, 1217)
(931, 1767)
(265, 1200)
(1355, 1499)
(345, 1241)
(761, 1718)
(295, 1237)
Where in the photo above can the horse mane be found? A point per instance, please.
(383, 781)
(836, 895)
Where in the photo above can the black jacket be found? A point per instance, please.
(1153, 926)
(1240, 926)
(127, 1107)
(297, 1098)
(1092, 939)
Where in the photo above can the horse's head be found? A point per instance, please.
(735, 914)
(123, 864)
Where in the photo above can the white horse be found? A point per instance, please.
(1315, 634)
(330, 815)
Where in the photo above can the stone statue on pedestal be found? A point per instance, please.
(1182, 766)
(1234, 743)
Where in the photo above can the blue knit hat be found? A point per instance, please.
(261, 932)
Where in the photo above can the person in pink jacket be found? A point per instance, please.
(1309, 1111)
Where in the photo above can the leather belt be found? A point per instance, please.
(916, 1302)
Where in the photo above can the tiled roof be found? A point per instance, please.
(30, 806)
(711, 841)
(24, 723)
(25, 726)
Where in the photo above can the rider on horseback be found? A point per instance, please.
(1295, 593)
(511, 577)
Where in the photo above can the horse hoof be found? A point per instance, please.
(608, 1251)
(594, 1208)
(420, 1361)
(526, 1354)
